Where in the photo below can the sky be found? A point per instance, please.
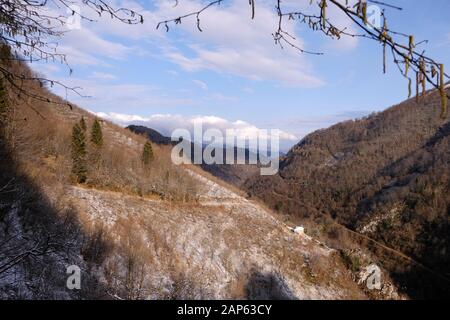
(232, 75)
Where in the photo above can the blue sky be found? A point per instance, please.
(232, 74)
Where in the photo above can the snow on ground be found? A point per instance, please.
(220, 240)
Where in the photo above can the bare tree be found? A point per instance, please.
(411, 61)
(30, 29)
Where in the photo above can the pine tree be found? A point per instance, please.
(147, 154)
(96, 134)
(79, 166)
(83, 124)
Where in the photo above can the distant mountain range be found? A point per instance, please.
(153, 135)
(235, 174)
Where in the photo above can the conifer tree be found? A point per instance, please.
(79, 166)
(83, 124)
(97, 134)
(147, 154)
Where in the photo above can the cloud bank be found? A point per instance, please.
(167, 123)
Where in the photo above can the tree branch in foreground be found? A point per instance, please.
(29, 29)
(412, 63)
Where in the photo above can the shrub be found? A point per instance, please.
(83, 124)
(147, 154)
(96, 134)
(79, 166)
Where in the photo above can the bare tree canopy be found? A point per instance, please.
(411, 60)
(31, 28)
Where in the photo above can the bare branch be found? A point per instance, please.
(29, 31)
(406, 56)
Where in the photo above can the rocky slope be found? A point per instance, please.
(226, 247)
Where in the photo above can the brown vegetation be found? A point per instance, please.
(386, 176)
(42, 139)
(40, 232)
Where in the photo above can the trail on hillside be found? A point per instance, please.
(221, 241)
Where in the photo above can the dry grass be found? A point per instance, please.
(127, 261)
(39, 143)
(42, 145)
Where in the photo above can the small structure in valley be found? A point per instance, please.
(299, 230)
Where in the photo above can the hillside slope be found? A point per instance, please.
(235, 174)
(134, 247)
(152, 135)
(224, 247)
(386, 176)
(138, 232)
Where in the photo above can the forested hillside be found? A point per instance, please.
(386, 176)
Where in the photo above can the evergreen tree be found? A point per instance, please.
(83, 124)
(147, 154)
(79, 166)
(96, 134)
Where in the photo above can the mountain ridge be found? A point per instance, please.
(386, 175)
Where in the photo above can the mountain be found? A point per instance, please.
(235, 174)
(152, 135)
(387, 177)
(139, 230)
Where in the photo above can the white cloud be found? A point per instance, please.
(230, 43)
(104, 95)
(88, 41)
(221, 97)
(173, 73)
(337, 17)
(233, 43)
(88, 45)
(201, 84)
(46, 68)
(248, 90)
(167, 123)
(102, 76)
